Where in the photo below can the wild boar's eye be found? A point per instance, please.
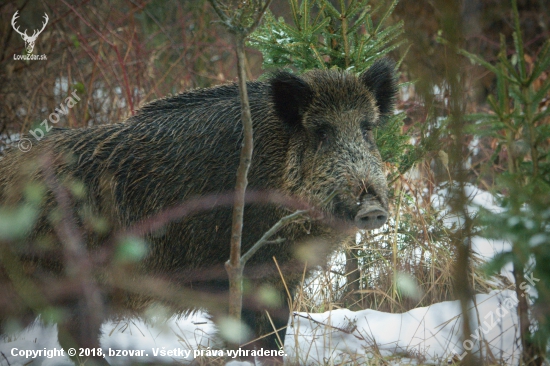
(323, 136)
(368, 135)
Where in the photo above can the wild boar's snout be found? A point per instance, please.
(371, 217)
(373, 210)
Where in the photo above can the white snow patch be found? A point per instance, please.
(154, 337)
(477, 199)
(430, 334)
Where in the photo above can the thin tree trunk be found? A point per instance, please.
(234, 267)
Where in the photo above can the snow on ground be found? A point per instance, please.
(477, 199)
(163, 342)
(430, 334)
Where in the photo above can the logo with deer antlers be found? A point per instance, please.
(29, 40)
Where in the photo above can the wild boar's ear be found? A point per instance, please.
(291, 97)
(380, 79)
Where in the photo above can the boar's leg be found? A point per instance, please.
(259, 322)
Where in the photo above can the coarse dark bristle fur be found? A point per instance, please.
(311, 137)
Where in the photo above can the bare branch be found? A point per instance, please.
(237, 23)
(264, 240)
(223, 17)
(268, 234)
(259, 17)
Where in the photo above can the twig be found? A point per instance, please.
(5, 358)
(330, 326)
(264, 240)
(268, 234)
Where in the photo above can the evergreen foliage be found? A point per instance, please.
(324, 37)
